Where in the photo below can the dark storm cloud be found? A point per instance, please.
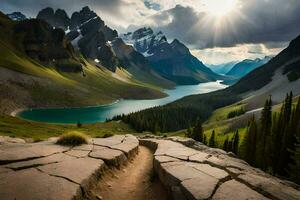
(31, 7)
(271, 22)
(258, 21)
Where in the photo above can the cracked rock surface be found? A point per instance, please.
(45, 170)
(193, 171)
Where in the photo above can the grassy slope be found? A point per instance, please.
(68, 89)
(222, 113)
(14, 127)
(224, 127)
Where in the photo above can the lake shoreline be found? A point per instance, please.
(100, 113)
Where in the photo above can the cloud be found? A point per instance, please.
(118, 14)
(220, 55)
(253, 21)
(256, 21)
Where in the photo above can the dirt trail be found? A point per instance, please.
(135, 181)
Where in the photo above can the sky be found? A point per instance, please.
(216, 31)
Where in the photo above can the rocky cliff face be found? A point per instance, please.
(128, 55)
(58, 18)
(47, 45)
(171, 60)
(87, 32)
(17, 16)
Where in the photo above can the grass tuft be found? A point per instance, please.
(73, 138)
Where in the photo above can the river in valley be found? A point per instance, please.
(101, 113)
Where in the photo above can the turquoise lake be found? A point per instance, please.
(101, 113)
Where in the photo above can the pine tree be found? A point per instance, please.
(288, 139)
(235, 144)
(79, 125)
(211, 142)
(295, 167)
(249, 142)
(204, 140)
(225, 145)
(264, 136)
(189, 132)
(296, 119)
(277, 139)
(198, 132)
(156, 129)
(230, 144)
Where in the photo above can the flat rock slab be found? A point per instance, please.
(77, 170)
(35, 185)
(193, 171)
(28, 151)
(55, 158)
(193, 191)
(271, 186)
(45, 170)
(235, 190)
(110, 156)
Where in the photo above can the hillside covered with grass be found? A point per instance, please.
(275, 78)
(40, 68)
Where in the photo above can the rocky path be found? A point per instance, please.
(112, 168)
(192, 171)
(135, 181)
(46, 171)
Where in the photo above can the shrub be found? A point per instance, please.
(72, 139)
(106, 135)
(236, 113)
(79, 125)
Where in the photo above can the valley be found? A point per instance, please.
(149, 100)
(101, 113)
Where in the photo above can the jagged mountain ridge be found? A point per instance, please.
(96, 41)
(222, 68)
(276, 78)
(171, 60)
(88, 33)
(246, 66)
(40, 68)
(16, 16)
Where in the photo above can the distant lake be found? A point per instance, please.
(101, 113)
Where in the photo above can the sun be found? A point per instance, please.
(220, 8)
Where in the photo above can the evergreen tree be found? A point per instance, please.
(295, 126)
(156, 129)
(235, 144)
(225, 145)
(198, 132)
(249, 142)
(230, 144)
(79, 125)
(204, 140)
(211, 142)
(288, 139)
(263, 148)
(295, 167)
(189, 132)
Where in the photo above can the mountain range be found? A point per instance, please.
(39, 67)
(172, 60)
(16, 16)
(86, 61)
(171, 63)
(222, 68)
(275, 78)
(246, 66)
